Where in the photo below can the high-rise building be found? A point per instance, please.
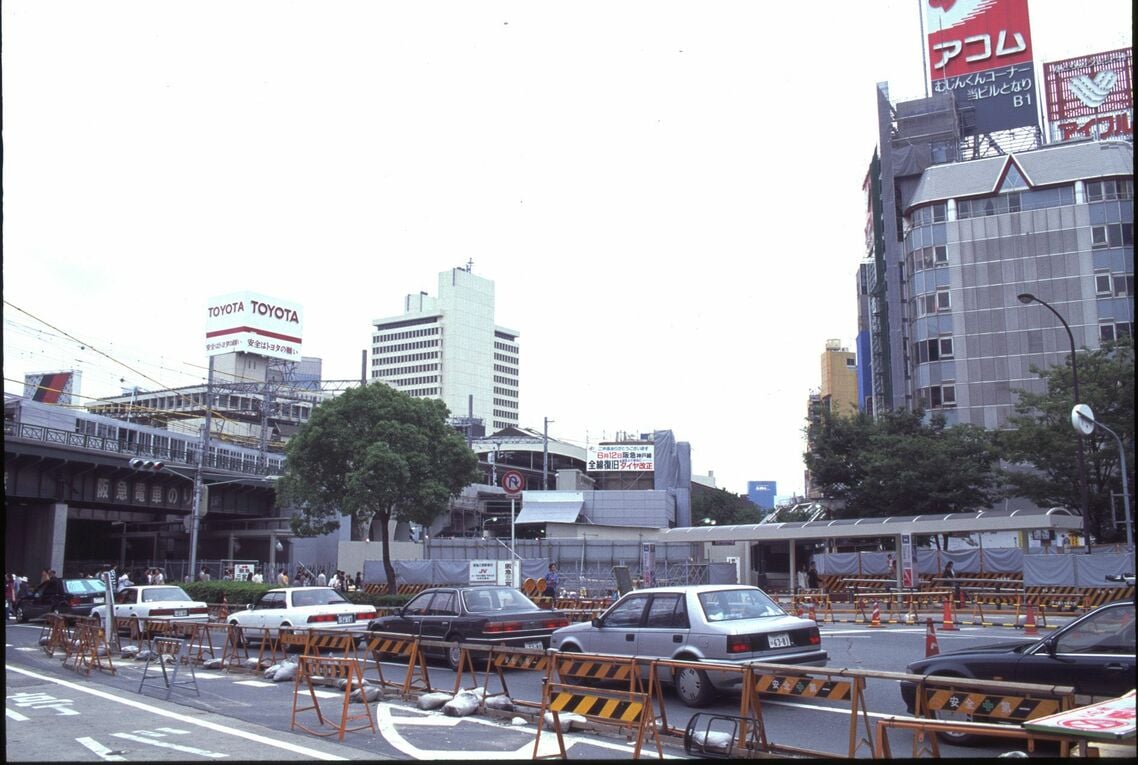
(952, 243)
(838, 393)
(448, 347)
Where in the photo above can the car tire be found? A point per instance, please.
(454, 652)
(957, 739)
(693, 687)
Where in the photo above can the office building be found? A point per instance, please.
(448, 347)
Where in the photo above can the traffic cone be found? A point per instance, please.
(948, 626)
(875, 620)
(1029, 623)
(932, 648)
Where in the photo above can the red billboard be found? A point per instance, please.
(968, 36)
(1091, 96)
(980, 51)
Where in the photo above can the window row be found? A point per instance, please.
(933, 302)
(1099, 191)
(381, 349)
(404, 359)
(512, 417)
(506, 370)
(1112, 235)
(506, 403)
(1115, 330)
(391, 336)
(1118, 285)
(928, 257)
(511, 392)
(412, 380)
(508, 359)
(422, 392)
(932, 350)
(506, 380)
(1017, 201)
(414, 368)
(937, 397)
(508, 347)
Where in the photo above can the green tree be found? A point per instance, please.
(1042, 446)
(901, 464)
(723, 507)
(374, 454)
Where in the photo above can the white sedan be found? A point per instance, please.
(156, 601)
(303, 608)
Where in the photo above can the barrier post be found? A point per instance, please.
(622, 708)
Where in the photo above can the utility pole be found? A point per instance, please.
(545, 457)
(203, 449)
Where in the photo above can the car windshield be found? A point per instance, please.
(85, 586)
(491, 599)
(317, 596)
(728, 605)
(154, 594)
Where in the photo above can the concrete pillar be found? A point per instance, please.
(57, 536)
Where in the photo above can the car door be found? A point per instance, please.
(1094, 654)
(665, 628)
(126, 603)
(409, 620)
(437, 622)
(619, 627)
(271, 611)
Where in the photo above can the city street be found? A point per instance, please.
(54, 714)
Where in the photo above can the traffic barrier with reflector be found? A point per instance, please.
(504, 658)
(382, 645)
(57, 633)
(626, 709)
(312, 670)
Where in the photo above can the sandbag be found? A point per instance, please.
(434, 700)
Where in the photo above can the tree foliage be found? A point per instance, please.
(1044, 445)
(723, 507)
(901, 464)
(374, 454)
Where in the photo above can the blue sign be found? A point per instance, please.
(762, 493)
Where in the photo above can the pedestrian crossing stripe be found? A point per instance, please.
(597, 706)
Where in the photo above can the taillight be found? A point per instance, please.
(552, 624)
(503, 626)
(321, 618)
(203, 610)
(737, 644)
(365, 617)
(815, 638)
(73, 601)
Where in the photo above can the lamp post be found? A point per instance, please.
(1027, 298)
(1083, 418)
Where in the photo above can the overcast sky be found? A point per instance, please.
(667, 195)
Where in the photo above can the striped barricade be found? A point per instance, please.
(597, 668)
(384, 645)
(321, 670)
(289, 640)
(625, 709)
(89, 649)
(988, 701)
(340, 641)
(502, 659)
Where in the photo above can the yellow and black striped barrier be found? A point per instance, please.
(626, 709)
(596, 668)
(331, 640)
(382, 646)
(289, 639)
(504, 658)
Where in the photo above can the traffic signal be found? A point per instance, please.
(149, 466)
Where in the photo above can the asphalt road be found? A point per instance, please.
(55, 714)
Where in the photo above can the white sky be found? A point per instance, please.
(667, 195)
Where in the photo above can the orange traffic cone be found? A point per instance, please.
(932, 648)
(1029, 622)
(875, 620)
(948, 626)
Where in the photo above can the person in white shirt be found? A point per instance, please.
(258, 578)
(335, 583)
(159, 577)
(321, 579)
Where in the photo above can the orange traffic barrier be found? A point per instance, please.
(932, 648)
(1029, 622)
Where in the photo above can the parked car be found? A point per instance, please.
(155, 601)
(487, 615)
(1094, 654)
(73, 596)
(724, 623)
(303, 608)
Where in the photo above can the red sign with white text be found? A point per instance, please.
(967, 36)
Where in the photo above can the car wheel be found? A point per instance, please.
(957, 739)
(454, 652)
(693, 687)
(21, 615)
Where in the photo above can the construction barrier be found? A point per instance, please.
(235, 653)
(169, 651)
(503, 658)
(56, 634)
(331, 640)
(88, 648)
(320, 670)
(381, 646)
(289, 640)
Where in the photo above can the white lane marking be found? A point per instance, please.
(100, 750)
(13, 714)
(185, 719)
(255, 683)
(176, 747)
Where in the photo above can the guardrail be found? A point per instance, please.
(620, 691)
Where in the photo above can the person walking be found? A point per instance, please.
(282, 578)
(950, 580)
(552, 579)
(359, 581)
(812, 576)
(322, 579)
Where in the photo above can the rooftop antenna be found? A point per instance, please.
(469, 265)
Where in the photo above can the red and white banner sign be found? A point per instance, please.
(968, 36)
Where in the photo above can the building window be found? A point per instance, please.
(1112, 235)
(940, 255)
(1102, 283)
(1123, 285)
(945, 347)
(1114, 330)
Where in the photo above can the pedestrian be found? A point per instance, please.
(951, 581)
(258, 577)
(335, 583)
(359, 581)
(228, 575)
(322, 579)
(812, 576)
(282, 578)
(9, 595)
(159, 577)
(552, 579)
(124, 582)
(203, 575)
(803, 580)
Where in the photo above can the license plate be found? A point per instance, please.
(181, 612)
(779, 640)
(345, 618)
(534, 644)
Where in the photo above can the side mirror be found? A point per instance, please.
(1051, 647)
(248, 606)
(597, 623)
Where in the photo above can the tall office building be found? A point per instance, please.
(448, 347)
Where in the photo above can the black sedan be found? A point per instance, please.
(63, 596)
(482, 614)
(1094, 654)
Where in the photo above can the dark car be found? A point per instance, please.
(1094, 654)
(69, 596)
(483, 614)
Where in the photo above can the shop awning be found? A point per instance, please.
(549, 512)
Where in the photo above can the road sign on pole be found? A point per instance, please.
(513, 482)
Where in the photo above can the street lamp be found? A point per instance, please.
(1027, 298)
(1083, 418)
